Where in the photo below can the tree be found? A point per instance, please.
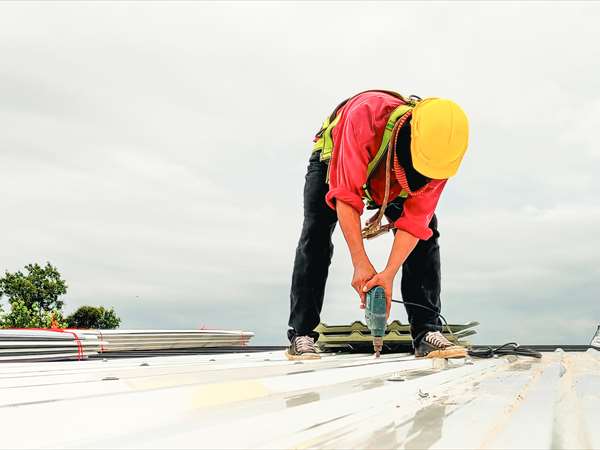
(39, 289)
(33, 297)
(34, 302)
(96, 317)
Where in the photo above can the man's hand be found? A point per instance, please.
(363, 272)
(384, 279)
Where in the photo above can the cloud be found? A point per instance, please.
(156, 152)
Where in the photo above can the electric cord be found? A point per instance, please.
(433, 311)
(510, 348)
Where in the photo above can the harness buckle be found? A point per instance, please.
(375, 229)
(413, 99)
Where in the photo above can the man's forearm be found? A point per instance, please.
(350, 224)
(404, 244)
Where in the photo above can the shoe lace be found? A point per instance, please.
(305, 344)
(437, 339)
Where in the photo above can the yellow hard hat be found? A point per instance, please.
(439, 137)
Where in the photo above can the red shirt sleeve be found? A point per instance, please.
(361, 126)
(418, 210)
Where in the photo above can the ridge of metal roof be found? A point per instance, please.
(262, 400)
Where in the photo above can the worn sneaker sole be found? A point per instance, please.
(302, 357)
(452, 352)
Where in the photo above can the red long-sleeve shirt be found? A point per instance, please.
(356, 139)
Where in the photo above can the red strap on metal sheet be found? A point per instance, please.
(80, 354)
(101, 342)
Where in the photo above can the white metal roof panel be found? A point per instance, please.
(261, 400)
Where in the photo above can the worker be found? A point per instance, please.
(395, 154)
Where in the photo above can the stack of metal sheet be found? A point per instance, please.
(139, 340)
(53, 345)
(357, 337)
(46, 345)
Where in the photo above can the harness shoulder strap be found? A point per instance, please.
(375, 228)
(385, 142)
(387, 135)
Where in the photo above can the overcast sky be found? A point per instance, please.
(155, 153)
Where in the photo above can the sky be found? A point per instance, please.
(155, 153)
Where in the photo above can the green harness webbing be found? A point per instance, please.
(383, 147)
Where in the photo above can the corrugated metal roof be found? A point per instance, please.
(261, 400)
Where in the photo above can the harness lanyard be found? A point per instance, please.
(375, 228)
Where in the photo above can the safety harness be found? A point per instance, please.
(324, 143)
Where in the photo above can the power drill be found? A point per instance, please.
(376, 317)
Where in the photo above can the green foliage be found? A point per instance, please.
(22, 316)
(41, 286)
(94, 317)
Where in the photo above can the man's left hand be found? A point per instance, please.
(386, 281)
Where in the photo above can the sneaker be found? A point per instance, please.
(435, 345)
(302, 347)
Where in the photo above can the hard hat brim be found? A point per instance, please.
(424, 166)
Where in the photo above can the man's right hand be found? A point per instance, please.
(363, 272)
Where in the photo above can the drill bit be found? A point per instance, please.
(377, 345)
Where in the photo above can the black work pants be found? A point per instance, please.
(420, 272)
